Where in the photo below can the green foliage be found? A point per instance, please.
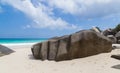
(117, 28)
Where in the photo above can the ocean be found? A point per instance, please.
(21, 40)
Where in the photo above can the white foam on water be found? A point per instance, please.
(17, 44)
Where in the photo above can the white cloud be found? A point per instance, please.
(41, 15)
(42, 11)
(68, 6)
(87, 8)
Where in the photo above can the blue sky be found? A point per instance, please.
(48, 18)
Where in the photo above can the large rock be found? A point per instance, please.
(5, 50)
(77, 45)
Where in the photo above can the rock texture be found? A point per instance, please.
(110, 33)
(5, 51)
(118, 37)
(77, 45)
(112, 38)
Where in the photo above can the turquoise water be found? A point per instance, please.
(20, 40)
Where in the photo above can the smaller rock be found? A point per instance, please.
(118, 37)
(96, 29)
(108, 32)
(112, 38)
(5, 50)
(116, 56)
(118, 41)
(114, 47)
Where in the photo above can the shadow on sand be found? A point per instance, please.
(31, 57)
(116, 66)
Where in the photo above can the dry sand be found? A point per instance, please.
(22, 62)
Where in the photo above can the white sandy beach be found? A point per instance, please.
(22, 61)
